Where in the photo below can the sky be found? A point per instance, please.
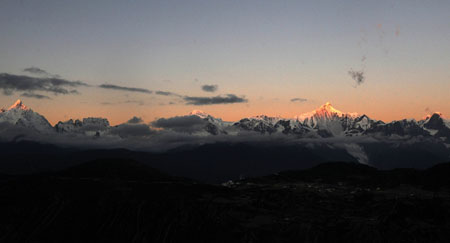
(232, 59)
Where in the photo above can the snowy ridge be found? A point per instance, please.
(20, 115)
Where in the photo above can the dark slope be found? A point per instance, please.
(125, 201)
(220, 162)
(214, 163)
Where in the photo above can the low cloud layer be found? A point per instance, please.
(210, 88)
(11, 83)
(122, 88)
(358, 76)
(187, 124)
(132, 130)
(300, 100)
(228, 99)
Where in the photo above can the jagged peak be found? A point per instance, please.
(19, 105)
(437, 113)
(199, 113)
(266, 118)
(326, 110)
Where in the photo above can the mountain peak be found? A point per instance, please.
(327, 107)
(19, 105)
(199, 113)
(435, 114)
(325, 111)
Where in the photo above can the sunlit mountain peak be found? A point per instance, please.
(325, 111)
(199, 113)
(19, 105)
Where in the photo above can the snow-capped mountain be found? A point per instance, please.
(213, 125)
(89, 126)
(20, 115)
(326, 121)
(261, 123)
(436, 126)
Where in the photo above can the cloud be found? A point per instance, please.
(36, 70)
(139, 90)
(186, 124)
(210, 88)
(36, 96)
(135, 120)
(228, 99)
(11, 83)
(299, 100)
(138, 102)
(166, 93)
(122, 88)
(358, 76)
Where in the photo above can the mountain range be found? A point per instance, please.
(324, 122)
(201, 146)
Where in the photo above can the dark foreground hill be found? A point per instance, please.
(218, 162)
(125, 201)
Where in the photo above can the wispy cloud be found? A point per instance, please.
(210, 88)
(36, 96)
(36, 70)
(299, 100)
(228, 99)
(123, 88)
(167, 93)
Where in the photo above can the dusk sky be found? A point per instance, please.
(165, 58)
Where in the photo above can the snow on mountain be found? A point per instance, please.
(262, 123)
(19, 105)
(328, 121)
(20, 115)
(89, 126)
(324, 112)
(213, 125)
(405, 127)
(436, 126)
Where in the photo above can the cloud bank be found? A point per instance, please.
(185, 124)
(11, 83)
